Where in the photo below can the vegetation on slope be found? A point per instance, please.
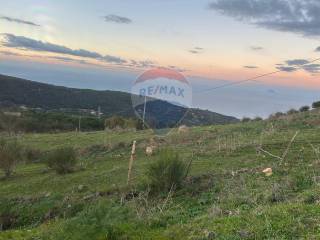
(18, 92)
(225, 196)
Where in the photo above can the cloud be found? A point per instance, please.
(181, 70)
(298, 64)
(117, 19)
(271, 91)
(296, 16)
(66, 59)
(7, 53)
(24, 43)
(20, 21)
(312, 68)
(20, 42)
(317, 49)
(112, 59)
(60, 58)
(286, 69)
(250, 67)
(196, 50)
(142, 64)
(256, 48)
(193, 51)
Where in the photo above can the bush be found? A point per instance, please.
(292, 111)
(304, 109)
(115, 122)
(245, 119)
(32, 155)
(11, 152)
(167, 172)
(62, 160)
(276, 115)
(316, 104)
(257, 119)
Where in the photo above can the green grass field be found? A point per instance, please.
(226, 195)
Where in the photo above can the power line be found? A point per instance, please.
(254, 78)
(237, 82)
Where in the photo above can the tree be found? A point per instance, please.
(304, 109)
(8, 124)
(316, 104)
(11, 153)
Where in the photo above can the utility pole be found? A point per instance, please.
(79, 127)
(99, 112)
(144, 110)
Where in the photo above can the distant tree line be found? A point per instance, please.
(315, 105)
(40, 122)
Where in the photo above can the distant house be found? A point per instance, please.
(13, 114)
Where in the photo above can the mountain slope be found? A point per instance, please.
(17, 91)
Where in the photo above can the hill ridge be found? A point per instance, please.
(18, 91)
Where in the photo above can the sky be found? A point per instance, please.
(107, 44)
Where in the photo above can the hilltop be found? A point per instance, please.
(46, 97)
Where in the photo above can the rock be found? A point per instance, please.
(267, 172)
(244, 234)
(149, 151)
(81, 188)
(183, 129)
(209, 235)
(91, 196)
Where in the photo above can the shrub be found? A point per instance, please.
(167, 172)
(257, 119)
(62, 160)
(115, 122)
(292, 111)
(11, 152)
(246, 119)
(279, 114)
(32, 155)
(276, 115)
(316, 104)
(304, 109)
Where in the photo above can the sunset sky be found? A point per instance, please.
(106, 44)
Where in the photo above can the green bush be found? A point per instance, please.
(11, 153)
(167, 172)
(292, 111)
(33, 155)
(245, 119)
(63, 160)
(304, 109)
(316, 104)
(277, 115)
(257, 119)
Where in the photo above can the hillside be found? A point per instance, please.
(225, 196)
(16, 91)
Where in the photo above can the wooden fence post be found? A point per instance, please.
(132, 157)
